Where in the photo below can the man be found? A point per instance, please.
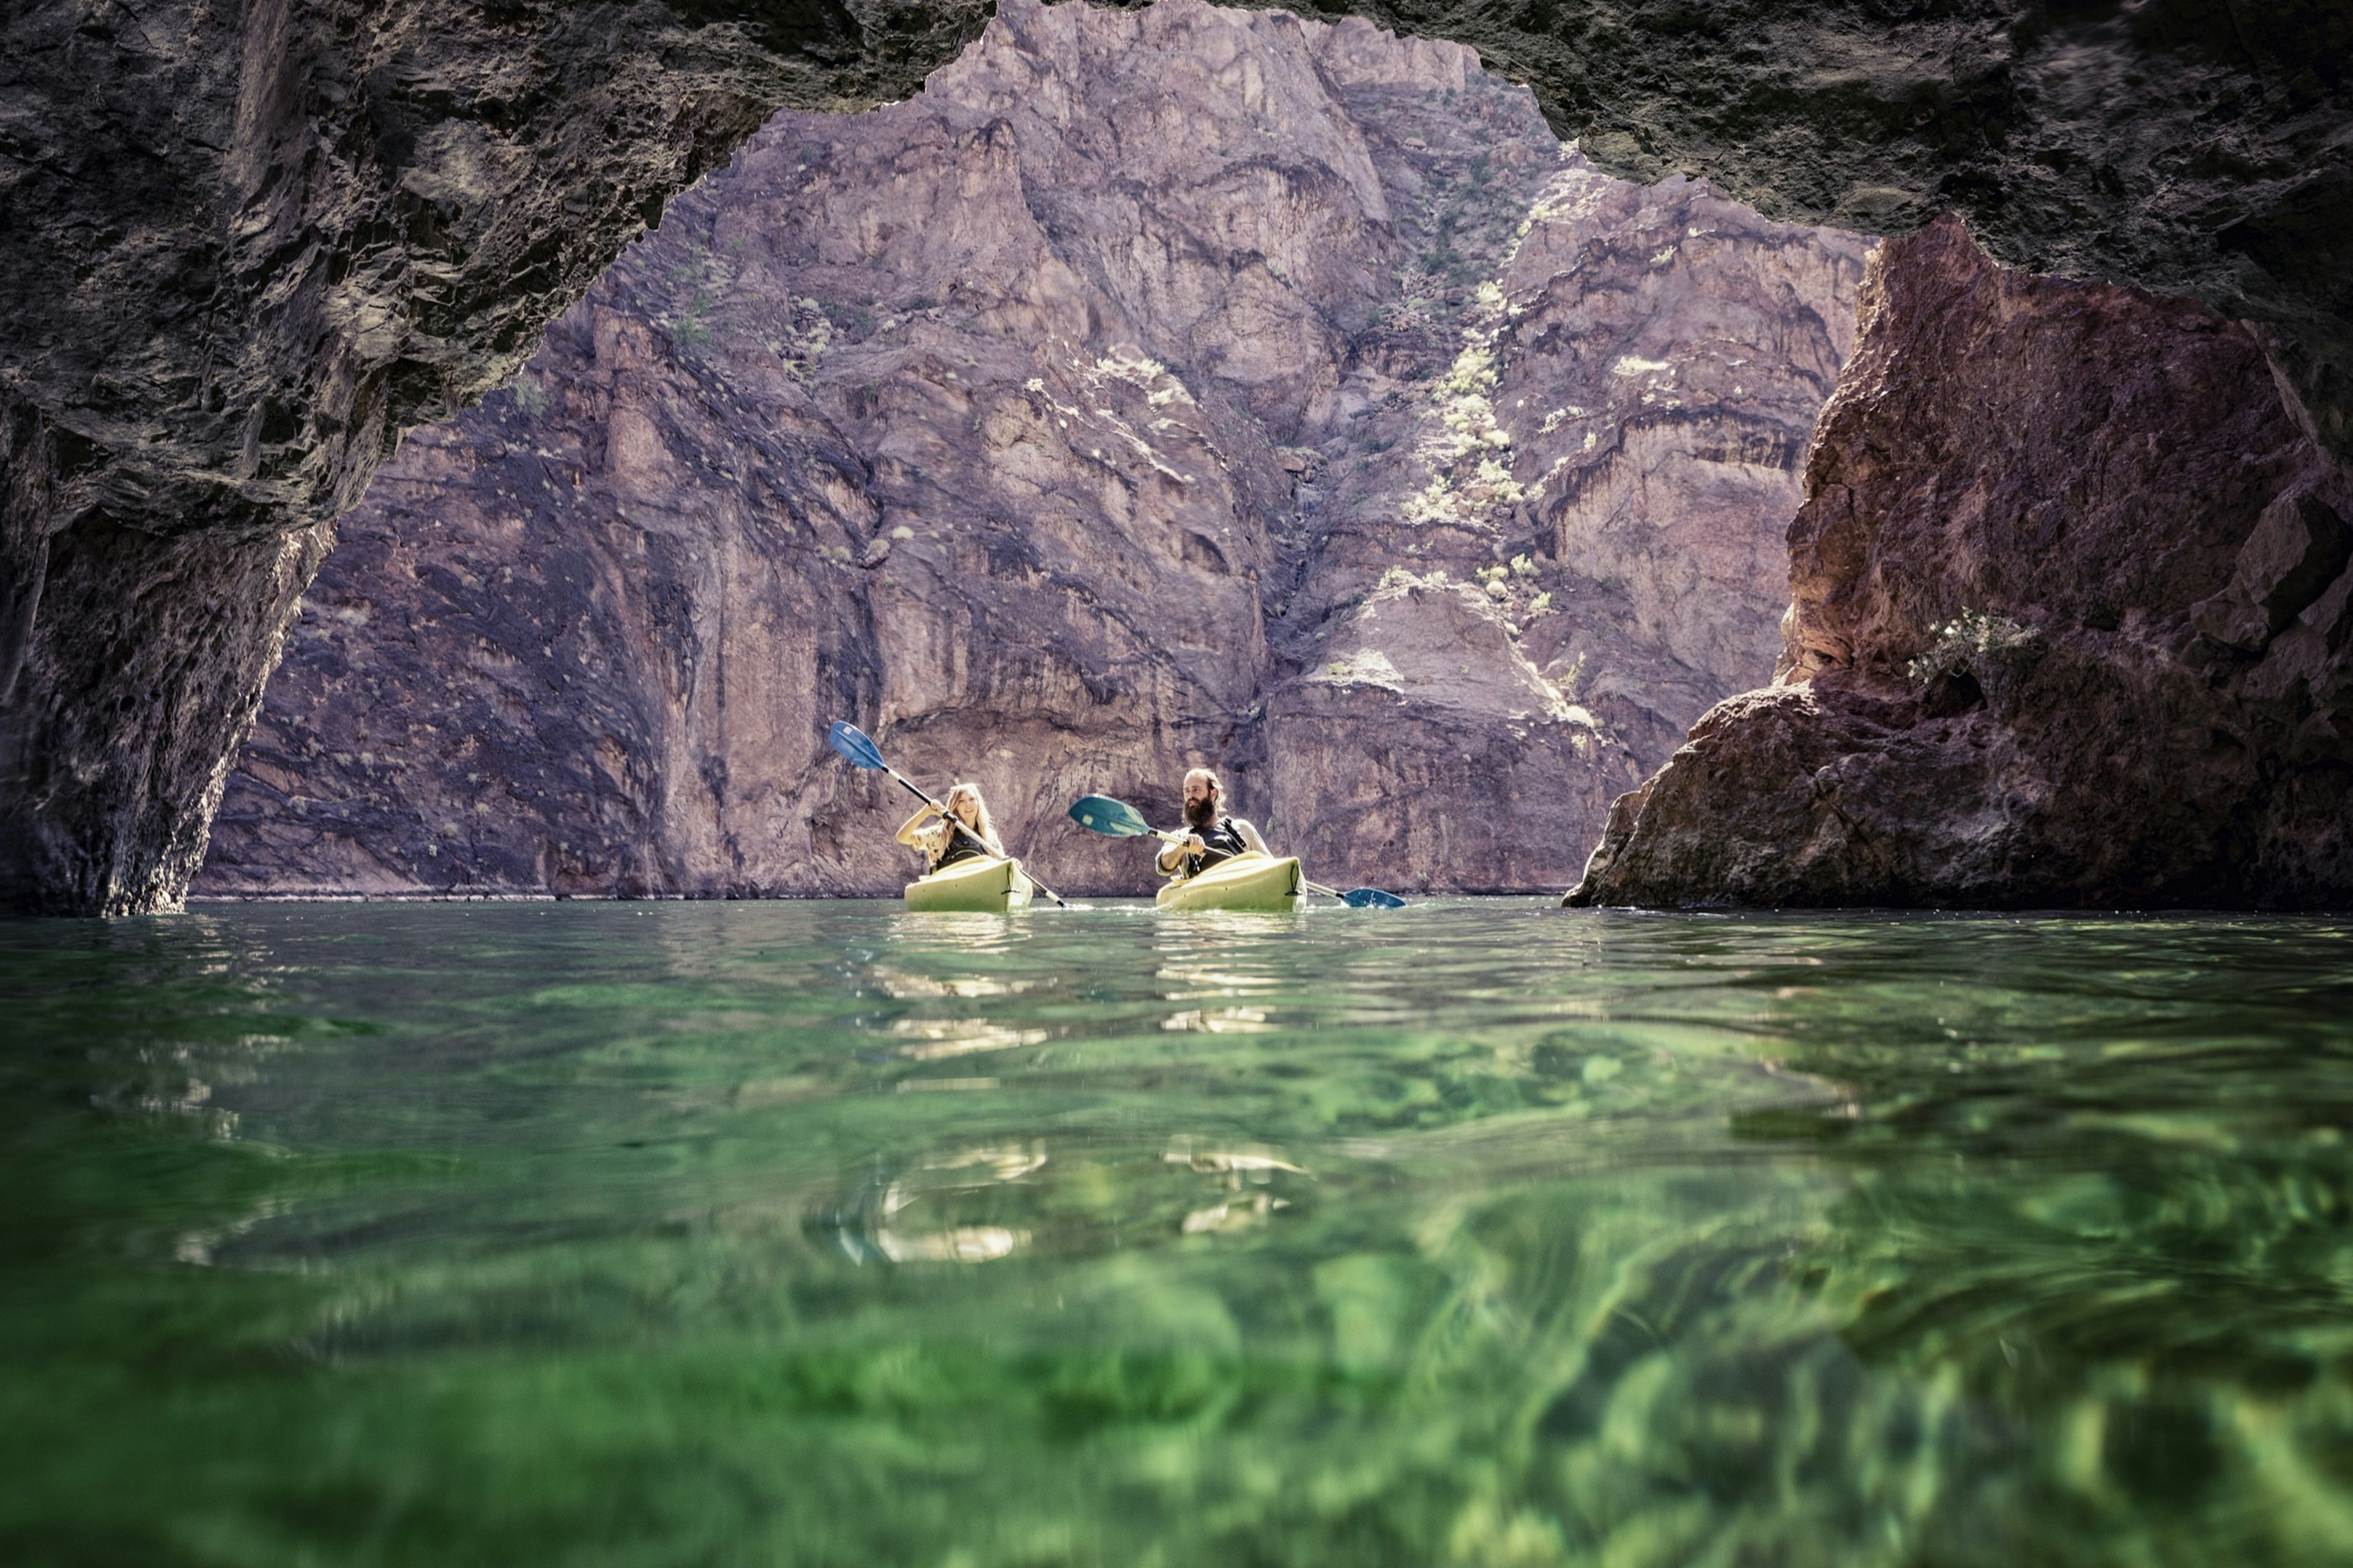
(1214, 836)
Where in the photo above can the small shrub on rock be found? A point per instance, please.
(1972, 640)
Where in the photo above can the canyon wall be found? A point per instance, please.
(1155, 388)
(2070, 626)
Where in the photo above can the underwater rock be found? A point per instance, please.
(1132, 398)
(2070, 626)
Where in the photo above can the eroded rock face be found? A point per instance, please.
(1623, 414)
(245, 246)
(2070, 628)
(1193, 385)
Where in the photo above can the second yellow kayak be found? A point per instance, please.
(1255, 882)
(979, 886)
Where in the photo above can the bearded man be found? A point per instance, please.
(1215, 836)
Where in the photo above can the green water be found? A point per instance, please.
(1479, 1233)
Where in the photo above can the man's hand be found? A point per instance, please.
(1193, 845)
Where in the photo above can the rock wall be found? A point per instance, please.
(2070, 627)
(245, 246)
(1162, 387)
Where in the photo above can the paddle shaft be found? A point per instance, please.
(1357, 898)
(1178, 836)
(916, 791)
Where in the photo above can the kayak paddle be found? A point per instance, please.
(1114, 818)
(1358, 898)
(1117, 820)
(859, 749)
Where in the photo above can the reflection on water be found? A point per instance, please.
(1475, 1232)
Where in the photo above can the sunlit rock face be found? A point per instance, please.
(1160, 388)
(2071, 625)
(1608, 457)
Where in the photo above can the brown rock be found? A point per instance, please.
(2069, 627)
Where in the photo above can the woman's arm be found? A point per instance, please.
(910, 832)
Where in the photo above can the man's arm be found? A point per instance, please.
(1172, 856)
(1250, 836)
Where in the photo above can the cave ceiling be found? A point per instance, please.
(192, 197)
(2195, 147)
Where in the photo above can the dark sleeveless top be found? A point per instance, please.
(963, 845)
(1220, 842)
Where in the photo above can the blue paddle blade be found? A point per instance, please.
(1371, 898)
(1100, 814)
(851, 742)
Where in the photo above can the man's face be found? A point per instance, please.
(1200, 802)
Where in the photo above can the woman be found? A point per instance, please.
(966, 830)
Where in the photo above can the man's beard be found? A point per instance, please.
(1202, 813)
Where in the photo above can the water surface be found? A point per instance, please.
(1477, 1233)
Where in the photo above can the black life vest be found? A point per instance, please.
(1220, 842)
(962, 845)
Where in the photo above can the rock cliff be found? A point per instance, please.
(1160, 387)
(246, 246)
(2070, 626)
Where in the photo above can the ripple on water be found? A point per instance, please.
(1476, 1232)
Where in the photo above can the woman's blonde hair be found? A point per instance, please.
(983, 824)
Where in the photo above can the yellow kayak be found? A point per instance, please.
(979, 886)
(1252, 882)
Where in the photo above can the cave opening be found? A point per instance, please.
(1154, 389)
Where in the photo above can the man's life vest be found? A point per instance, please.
(1220, 842)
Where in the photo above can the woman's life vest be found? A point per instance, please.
(963, 843)
(1220, 841)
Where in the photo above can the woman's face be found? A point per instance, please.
(961, 802)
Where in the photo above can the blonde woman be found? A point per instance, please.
(965, 830)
